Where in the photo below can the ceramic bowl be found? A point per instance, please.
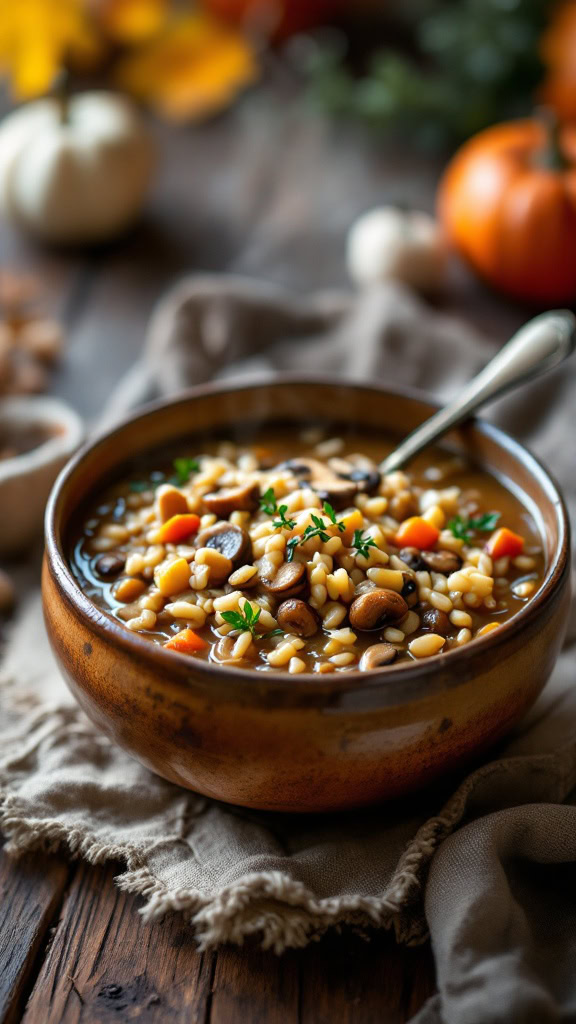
(309, 742)
(26, 479)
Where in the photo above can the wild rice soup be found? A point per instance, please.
(295, 553)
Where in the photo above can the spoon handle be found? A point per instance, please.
(539, 345)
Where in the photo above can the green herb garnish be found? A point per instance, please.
(183, 469)
(330, 512)
(268, 502)
(317, 530)
(463, 529)
(269, 506)
(362, 544)
(246, 621)
(291, 547)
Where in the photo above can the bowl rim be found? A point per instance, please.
(178, 666)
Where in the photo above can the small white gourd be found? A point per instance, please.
(406, 245)
(75, 169)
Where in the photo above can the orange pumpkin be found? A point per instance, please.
(507, 202)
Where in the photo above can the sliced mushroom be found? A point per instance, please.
(109, 566)
(290, 580)
(412, 557)
(244, 498)
(366, 478)
(230, 540)
(327, 484)
(377, 608)
(435, 621)
(409, 590)
(297, 617)
(441, 561)
(377, 656)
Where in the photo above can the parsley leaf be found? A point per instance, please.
(463, 529)
(362, 544)
(246, 621)
(183, 469)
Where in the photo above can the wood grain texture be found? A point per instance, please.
(105, 965)
(31, 892)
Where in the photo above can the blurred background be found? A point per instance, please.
(257, 133)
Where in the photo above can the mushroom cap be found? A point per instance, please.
(296, 616)
(377, 656)
(244, 498)
(435, 621)
(377, 608)
(290, 580)
(108, 566)
(227, 538)
(441, 561)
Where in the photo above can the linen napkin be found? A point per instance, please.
(488, 869)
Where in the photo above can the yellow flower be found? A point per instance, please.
(35, 37)
(194, 67)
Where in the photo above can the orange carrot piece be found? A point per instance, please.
(186, 641)
(178, 527)
(505, 542)
(417, 532)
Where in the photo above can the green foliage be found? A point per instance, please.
(475, 62)
(464, 529)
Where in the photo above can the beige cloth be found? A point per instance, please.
(500, 899)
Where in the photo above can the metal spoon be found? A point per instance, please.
(538, 346)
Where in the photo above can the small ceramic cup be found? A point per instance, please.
(55, 431)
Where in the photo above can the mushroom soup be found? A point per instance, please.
(295, 553)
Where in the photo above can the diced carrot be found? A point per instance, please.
(178, 527)
(186, 641)
(416, 532)
(505, 542)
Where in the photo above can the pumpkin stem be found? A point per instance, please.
(551, 156)
(61, 94)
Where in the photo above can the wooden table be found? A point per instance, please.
(267, 190)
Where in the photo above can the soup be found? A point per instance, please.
(294, 553)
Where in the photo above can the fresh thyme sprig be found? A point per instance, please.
(317, 530)
(183, 469)
(464, 529)
(247, 620)
(269, 506)
(331, 513)
(362, 544)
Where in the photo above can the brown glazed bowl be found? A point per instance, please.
(305, 742)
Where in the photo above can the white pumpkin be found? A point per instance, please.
(388, 242)
(74, 178)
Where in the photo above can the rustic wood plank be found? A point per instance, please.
(255, 987)
(347, 979)
(31, 891)
(105, 964)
